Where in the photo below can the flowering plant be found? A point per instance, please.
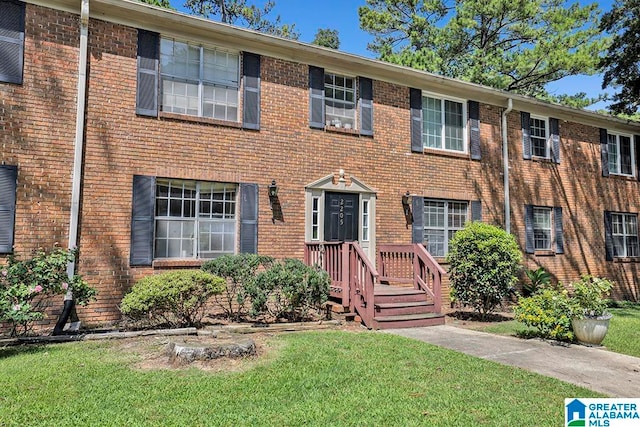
(24, 286)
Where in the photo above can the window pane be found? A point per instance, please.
(454, 127)
(613, 153)
(340, 108)
(625, 155)
(434, 242)
(431, 122)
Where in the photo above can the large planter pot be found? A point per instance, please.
(591, 330)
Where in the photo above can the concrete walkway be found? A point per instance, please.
(597, 369)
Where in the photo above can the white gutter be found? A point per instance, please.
(505, 161)
(79, 137)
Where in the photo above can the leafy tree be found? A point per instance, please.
(514, 45)
(327, 37)
(622, 61)
(239, 13)
(161, 3)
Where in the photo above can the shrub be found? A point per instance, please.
(239, 271)
(537, 279)
(589, 297)
(484, 261)
(549, 312)
(176, 298)
(289, 289)
(24, 286)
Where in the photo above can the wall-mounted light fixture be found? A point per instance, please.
(273, 190)
(406, 207)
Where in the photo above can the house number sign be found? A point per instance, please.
(341, 211)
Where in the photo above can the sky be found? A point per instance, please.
(342, 15)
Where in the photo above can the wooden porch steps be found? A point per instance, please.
(403, 307)
(408, 321)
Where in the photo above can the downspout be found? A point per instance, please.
(77, 160)
(505, 159)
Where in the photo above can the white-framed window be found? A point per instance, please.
(442, 219)
(621, 154)
(539, 131)
(340, 101)
(194, 219)
(365, 220)
(542, 236)
(315, 218)
(624, 229)
(199, 81)
(444, 123)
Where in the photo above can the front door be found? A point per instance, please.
(341, 217)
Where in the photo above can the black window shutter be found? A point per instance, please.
(316, 97)
(604, 152)
(12, 41)
(415, 102)
(417, 229)
(8, 177)
(147, 90)
(608, 236)
(142, 220)
(474, 134)
(249, 218)
(366, 106)
(476, 210)
(251, 91)
(559, 230)
(528, 229)
(526, 135)
(555, 139)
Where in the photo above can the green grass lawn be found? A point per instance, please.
(623, 335)
(313, 378)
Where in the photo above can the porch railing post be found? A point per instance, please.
(346, 274)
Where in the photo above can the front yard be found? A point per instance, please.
(308, 378)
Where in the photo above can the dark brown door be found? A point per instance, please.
(341, 217)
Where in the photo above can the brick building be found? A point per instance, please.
(177, 126)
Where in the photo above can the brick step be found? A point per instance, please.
(400, 308)
(408, 321)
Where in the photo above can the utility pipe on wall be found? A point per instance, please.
(77, 159)
(505, 160)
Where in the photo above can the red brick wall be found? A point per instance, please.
(38, 125)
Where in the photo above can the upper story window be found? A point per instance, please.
(340, 101)
(199, 81)
(539, 137)
(621, 154)
(442, 219)
(12, 20)
(443, 123)
(194, 219)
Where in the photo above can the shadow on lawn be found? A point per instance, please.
(6, 352)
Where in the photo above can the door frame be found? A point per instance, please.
(339, 184)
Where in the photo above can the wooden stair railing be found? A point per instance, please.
(363, 278)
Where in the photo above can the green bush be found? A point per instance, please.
(177, 298)
(239, 271)
(289, 289)
(483, 263)
(25, 286)
(549, 312)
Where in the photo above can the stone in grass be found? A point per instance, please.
(185, 352)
